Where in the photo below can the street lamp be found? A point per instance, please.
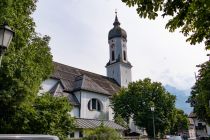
(6, 35)
(153, 110)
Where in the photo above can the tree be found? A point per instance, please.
(25, 65)
(135, 102)
(102, 133)
(200, 94)
(180, 122)
(119, 120)
(192, 16)
(47, 115)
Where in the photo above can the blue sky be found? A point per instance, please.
(79, 38)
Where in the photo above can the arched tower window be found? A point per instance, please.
(124, 55)
(94, 104)
(113, 56)
(112, 52)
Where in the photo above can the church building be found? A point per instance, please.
(90, 93)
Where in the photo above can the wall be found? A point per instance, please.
(75, 112)
(86, 113)
(125, 75)
(113, 71)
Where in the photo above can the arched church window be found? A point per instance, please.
(113, 56)
(124, 55)
(94, 104)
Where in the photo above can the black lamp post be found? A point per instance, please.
(6, 35)
(153, 110)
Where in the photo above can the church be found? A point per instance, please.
(90, 93)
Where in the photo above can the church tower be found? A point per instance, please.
(118, 67)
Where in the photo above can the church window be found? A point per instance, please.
(80, 134)
(72, 135)
(124, 55)
(94, 104)
(113, 56)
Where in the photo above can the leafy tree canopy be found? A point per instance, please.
(135, 102)
(192, 16)
(200, 95)
(179, 123)
(25, 65)
(28, 60)
(47, 115)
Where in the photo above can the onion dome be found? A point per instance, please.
(117, 31)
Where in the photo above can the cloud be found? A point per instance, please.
(79, 31)
(178, 80)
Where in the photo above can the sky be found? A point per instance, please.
(79, 38)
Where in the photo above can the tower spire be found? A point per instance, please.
(118, 66)
(116, 22)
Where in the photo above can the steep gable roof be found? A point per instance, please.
(57, 91)
(77, 79)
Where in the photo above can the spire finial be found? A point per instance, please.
(116, 22)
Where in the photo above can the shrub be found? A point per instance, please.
(102, 133)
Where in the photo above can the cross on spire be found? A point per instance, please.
(116, 22)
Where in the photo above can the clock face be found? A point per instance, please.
(112, 46)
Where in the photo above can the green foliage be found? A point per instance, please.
(102, 133)
(119, 120)
(200, 94)
(47, 115)
(192, 16)
(25, 65)
(179, 123)
(136, 101)
(52, 116)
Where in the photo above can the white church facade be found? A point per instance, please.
(90, 93)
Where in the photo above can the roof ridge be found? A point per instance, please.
(79, 70)
(83, 71)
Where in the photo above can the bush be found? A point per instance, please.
(102, 133)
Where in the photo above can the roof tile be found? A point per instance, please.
(92, 123)
(73, 78)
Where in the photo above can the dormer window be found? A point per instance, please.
(94, 104)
